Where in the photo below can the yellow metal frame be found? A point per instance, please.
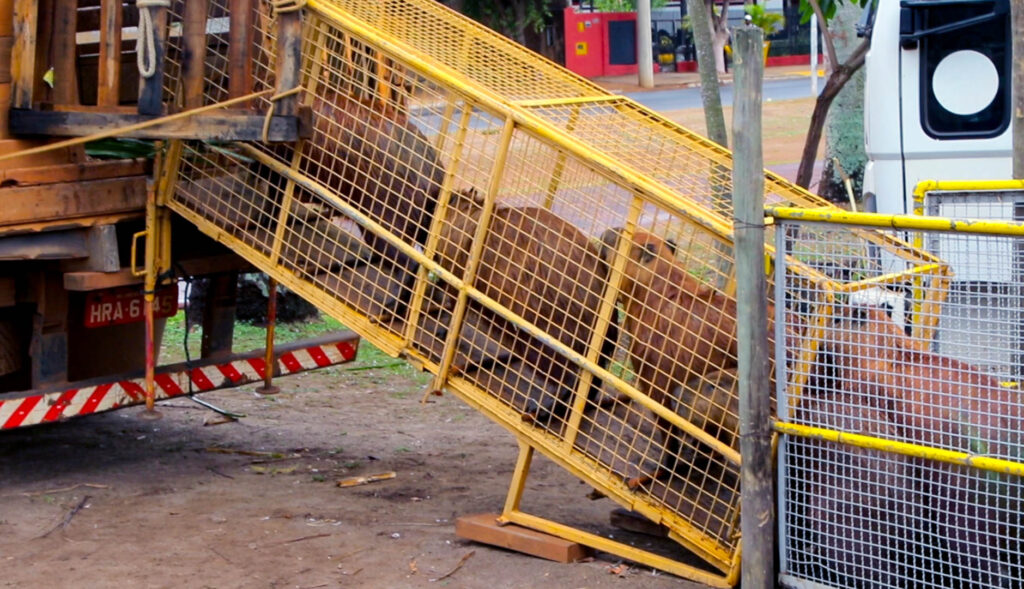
(512, 514)
(939, 270)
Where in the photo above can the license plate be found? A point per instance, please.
(127, 305)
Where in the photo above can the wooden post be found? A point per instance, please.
(268, 387)
(194, 59)
(289, 61)
(23, 54)
(1017, 29)
(240, 54)
(151, 88)
(757, 503)
(62, 42)
(109, 76)
(6, 45)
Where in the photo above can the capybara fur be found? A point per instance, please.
(385, 167)
(945, 403)
(541, 268)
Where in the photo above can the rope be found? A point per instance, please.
(145, 46)
(270, 111)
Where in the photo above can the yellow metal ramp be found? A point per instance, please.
(560, 257)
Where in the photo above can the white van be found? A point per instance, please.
(937, 98)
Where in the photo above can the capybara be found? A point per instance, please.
(384, 166)
(853, 512)
(942, 402)
(680, 327)
(541, 268)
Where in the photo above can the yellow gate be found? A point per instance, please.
(559, 257)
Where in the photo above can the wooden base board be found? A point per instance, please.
(484, 528)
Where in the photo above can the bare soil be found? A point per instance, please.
(115, 500)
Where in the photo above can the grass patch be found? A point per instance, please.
(249, 337)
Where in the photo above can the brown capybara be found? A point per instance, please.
(853, 512)
(680, 328)
(942, 402)
(541, 268)
(383, 165)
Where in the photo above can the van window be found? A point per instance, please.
(965, 66)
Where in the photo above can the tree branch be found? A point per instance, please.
(826, 36)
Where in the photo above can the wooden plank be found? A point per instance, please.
(289, 61)
(222, 126)
(194, 59)
(151, 89)
(49, 158)
(86, 281)
(51, 202)
(485, 529)
(6, 18)
(6, 46)
(63, 224)
(23, 54)
(65, 78)
(109, 86)
(240, 53)
(96, 170)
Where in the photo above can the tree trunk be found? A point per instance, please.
(709, 92)
(844, 123)
(721, 39)
(835, 82)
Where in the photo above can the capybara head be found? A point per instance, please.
(651, 263)
(862, 332)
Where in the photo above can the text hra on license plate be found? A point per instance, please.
(127, 305)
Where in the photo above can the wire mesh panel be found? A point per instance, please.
(480, 212)
(902, 460)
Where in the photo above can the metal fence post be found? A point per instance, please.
(757, 499)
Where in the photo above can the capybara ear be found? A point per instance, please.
(648, 253)
(671, 245)
(609, 243)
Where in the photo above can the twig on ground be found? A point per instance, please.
(294, 540)
(217, 472)
(63, 525)
(458, 566)
(65, 489)
(367, 479)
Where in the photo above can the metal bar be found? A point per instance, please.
(76, 399)
(619, 549)
(149, 292)
(268, 387)
(440, 210)
(476, 251)
(572, 100)
(998, 465)
(518, 483)
(878, 220)
(556, 174)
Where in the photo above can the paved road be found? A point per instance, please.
(662, 100)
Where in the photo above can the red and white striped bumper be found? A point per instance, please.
(36, 407)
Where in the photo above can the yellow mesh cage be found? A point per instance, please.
(561, 258)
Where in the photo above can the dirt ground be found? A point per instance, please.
(117, 501)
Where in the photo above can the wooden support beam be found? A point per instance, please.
(221, 126)
(109, 85)
(6, 46)
(86, 281)
(62, 42)
(484, 528)
(23, 54)
(240, 48)
(52, 202)
(289, 61)
(194, 58)
(52, 174)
